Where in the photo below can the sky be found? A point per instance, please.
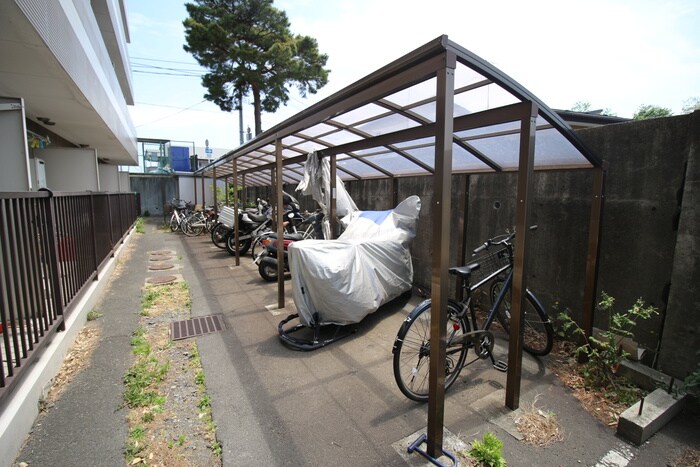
(615, 54)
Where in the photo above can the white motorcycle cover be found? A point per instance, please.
(342, 281)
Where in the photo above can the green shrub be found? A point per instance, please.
(488, 451)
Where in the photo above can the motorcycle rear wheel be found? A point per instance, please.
(231, 247)
(268, 269)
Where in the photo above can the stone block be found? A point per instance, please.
(658, 409)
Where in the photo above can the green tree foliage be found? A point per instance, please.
(645, 112)
(691, 105)
(581, 106)
(248, 49)
(585, 106)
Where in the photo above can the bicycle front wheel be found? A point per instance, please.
(538, 334)
(412, 350)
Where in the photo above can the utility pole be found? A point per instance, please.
(240, 113)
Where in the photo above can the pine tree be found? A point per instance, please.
(248, 49)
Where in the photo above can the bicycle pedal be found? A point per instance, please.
(501, 366)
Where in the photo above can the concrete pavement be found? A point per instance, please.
(335, 406)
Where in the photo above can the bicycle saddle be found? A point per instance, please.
(464, 271)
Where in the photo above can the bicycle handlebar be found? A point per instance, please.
(504, 241)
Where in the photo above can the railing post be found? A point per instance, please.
(53, 254)
(93, 234)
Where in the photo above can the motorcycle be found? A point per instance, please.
(249, 226)
(267, 259)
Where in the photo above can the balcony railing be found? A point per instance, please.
(52, 246)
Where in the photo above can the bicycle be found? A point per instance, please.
(180, 211)
(411, 350)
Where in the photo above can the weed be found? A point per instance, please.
(216, 448)
(147, 417)
(135, 445)
(140, 379)
(691, 384)
(199, 378)
(139, 344)
(149, 299)
(180, 440)
(139, 225)
(605, 354)
(204, 402)
(93, 315)
(488, 451)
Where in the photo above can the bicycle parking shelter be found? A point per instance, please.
(437, 111)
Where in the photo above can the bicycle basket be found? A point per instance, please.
(491, 263)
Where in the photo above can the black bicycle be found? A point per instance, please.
(493, 266)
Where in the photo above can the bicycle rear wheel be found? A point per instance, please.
(174, 224)
(412, 350)
(218, 235)
(538, 334)
(193, 226)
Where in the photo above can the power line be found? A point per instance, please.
(158, 60)
(171, 115)
(186, 75)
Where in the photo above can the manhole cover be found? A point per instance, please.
(160, 266)
(196, 327)
(161, 280)
(160, 258)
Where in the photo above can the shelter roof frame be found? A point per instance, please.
(437, 111)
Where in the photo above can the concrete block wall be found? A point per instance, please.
(649, 237)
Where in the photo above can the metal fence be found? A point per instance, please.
(52, 246)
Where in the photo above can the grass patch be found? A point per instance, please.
(139, 225)
(141, 381)
(93, 315)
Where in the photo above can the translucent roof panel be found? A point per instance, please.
(395, 164)
(359, 168)
(482, 98)
(389, 120)
(389, 124)
(362, 114)
(339, 137)
(416, 93)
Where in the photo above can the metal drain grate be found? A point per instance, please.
(196, 327)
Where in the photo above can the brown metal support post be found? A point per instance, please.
(280, 224)
(394, 192)
(213, 188)
(334, 199)
(235, 215)
(204, 196)
(462, 229)
(522, 224)
(226, 185)
(594, 232)
(194, 184)
(444, 119)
